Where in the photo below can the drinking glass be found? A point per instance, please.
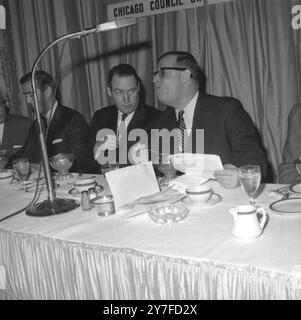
(249, 177)
(166, 167)
(22, 169)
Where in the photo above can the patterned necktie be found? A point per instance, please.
(122, 126)
(182, 132)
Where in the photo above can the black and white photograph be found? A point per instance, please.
(150, 153)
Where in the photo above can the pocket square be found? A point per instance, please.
(16, 146)
(55, 141)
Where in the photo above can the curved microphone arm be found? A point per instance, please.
(116, 24)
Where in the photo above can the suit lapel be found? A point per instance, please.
(111, 122)
(56, 123)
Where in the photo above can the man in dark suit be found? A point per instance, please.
(128, 112)
(13, 131)
(66, 129)
(291, 153)
(228, 130)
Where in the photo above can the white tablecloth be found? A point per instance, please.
(79, 255)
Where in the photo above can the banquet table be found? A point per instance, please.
(80, 255)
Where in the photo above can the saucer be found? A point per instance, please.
(215, 198)
(76, 193)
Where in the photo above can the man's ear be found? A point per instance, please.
(109, 92)
(186, 75)
(48, 91)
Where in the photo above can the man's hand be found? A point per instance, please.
(110, 143)
(227, 177)
(138, 153)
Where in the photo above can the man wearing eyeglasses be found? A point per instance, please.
(228, 130)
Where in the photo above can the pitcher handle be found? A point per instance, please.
(263, 219)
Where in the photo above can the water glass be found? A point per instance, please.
(22, 169)
(249, 176)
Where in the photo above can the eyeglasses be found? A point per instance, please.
(161, 71)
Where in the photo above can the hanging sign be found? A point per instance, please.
(140, 8)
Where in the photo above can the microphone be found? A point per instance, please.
(107, 26)
(55, 205)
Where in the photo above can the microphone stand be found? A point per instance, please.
(55, 205)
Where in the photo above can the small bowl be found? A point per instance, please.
(84, 184)
(6, 177)
(228, 178)
(199, 194)
(168, 213)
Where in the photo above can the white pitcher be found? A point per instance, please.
(246, 224)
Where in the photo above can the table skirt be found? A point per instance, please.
(39, 267)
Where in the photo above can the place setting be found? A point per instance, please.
(290, 203)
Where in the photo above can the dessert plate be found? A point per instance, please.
(287, 207)
(215, 198)
(296, 188)
(75, 193)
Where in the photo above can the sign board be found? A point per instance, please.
(140, 8)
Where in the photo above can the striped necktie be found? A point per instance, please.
(182, 132)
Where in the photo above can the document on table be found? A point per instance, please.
(132, 182)
(196, 164)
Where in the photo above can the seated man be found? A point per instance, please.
(291, 153)
(66, 129)
(128, 111)
(13, 131)
(228, 131)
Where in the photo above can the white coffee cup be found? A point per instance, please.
(199, 194)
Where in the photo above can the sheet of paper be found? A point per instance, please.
(197, 164)
(132, 182)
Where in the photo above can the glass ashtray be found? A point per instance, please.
(168, 213)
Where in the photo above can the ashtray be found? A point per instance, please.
(168, 213)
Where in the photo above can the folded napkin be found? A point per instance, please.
(197, 164)
(144, 204)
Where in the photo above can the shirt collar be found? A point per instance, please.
(189, 111)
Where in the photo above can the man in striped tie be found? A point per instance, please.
(228, 131)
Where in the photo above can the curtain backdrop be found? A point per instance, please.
(247, 49)
(8, 75)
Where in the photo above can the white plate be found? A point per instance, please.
(75, 193)
(296, 188)
(215, 198)
(291, 207)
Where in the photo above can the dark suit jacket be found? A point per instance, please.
(228, 130)
(292, 148)
(15, 131)
(107, 118)
(68, 133)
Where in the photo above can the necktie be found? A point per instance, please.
(43, 124)
(122, 126)
(182, 132)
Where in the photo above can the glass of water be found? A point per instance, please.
(22, 169)
(249, 176)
